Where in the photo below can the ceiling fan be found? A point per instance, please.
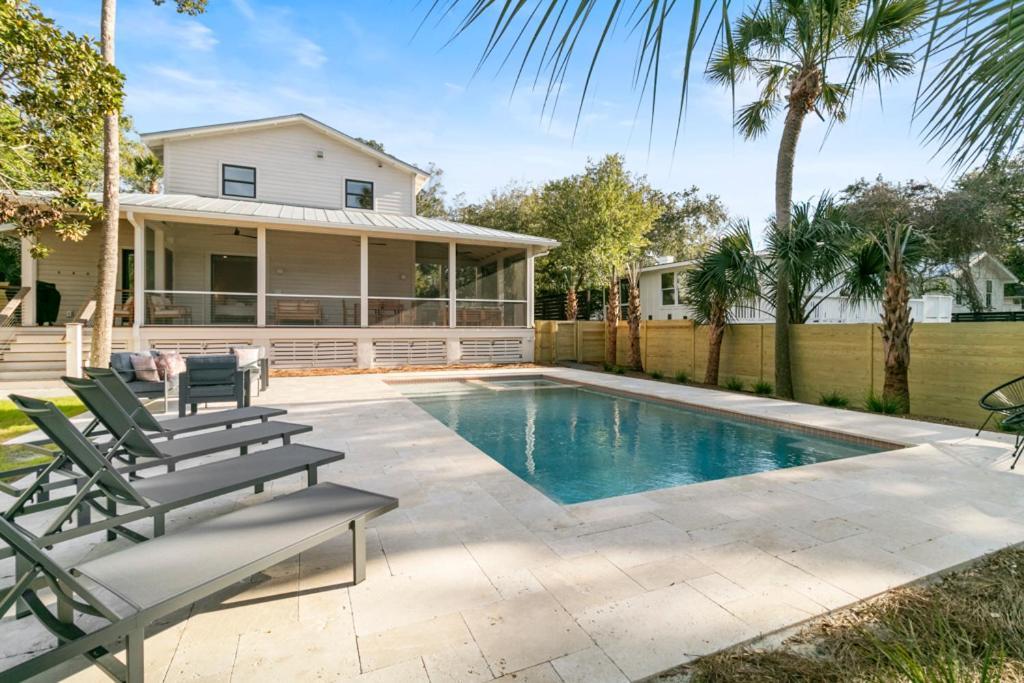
(238, 233)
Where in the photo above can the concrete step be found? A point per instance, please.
(16, 355)
(36, 347)
(18, 375)
(6, 366)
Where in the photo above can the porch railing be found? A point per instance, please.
(490, 313)
(175, 307)
(407, 312)
(313, 310)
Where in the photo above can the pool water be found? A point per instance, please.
(575, 444)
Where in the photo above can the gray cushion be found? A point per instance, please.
(211, 370)
(146, 388)
(121, 362)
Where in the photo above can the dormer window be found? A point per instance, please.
(238, 181)
(358, 194)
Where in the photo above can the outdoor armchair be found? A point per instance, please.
(1006, 399)
(155, 579)
(210, 379)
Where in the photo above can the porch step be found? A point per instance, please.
(36, 354)
(19, 375)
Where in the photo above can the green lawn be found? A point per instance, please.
(13, 423)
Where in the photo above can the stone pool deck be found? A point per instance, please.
(478, 575)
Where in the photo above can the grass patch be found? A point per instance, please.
(967, 627)
(608, 367)
(619, 370)
(657, 374)
(834, 399)
(13, 424)
(682, 377)
(876, 403)
(733, 384)
(763, 388)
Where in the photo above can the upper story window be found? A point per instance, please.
(238, 181)
(358, 194)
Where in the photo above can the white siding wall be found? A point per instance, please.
(312, 263)
(72, 267)
(287, 170)
(650, 300)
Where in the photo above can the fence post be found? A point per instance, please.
(73, 349)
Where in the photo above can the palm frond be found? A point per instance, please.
(973, 105)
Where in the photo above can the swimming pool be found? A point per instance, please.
(576, 444)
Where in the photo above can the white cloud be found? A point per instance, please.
(196, 36)
(454, 89)
(245, 9)
(308, 53)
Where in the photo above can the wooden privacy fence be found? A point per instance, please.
(951, 365)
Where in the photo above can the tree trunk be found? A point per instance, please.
(106, 282)
(783, 208)
(716, 331)
(571, 304)
(611, 322)
(154, 186)
(968, 287)
(635, 357)
(896, 328)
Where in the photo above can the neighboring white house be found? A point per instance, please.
(662, 298)
(991, 278)
(287, 233)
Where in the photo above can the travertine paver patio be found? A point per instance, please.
(478, 575)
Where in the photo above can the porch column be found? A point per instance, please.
(29, 273)
(364, 344)
(529, 286)
(364, 281)
(139, 271)
(452, 264)
(501, 280)
(159, 259)
(261, 276)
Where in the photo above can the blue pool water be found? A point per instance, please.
(576, 444)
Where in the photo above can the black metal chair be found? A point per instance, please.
(212, 379)
(1006, 399)
(1015, 423)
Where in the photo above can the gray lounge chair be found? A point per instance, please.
(122, 393)
(135, 443)
(105, 489)
(155, 579)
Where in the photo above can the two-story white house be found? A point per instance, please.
(289, 234)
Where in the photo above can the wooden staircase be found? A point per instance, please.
(36, 354)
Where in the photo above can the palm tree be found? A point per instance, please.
(881, 270)
(611, 319)
(816, 254)
(726, 277)
(792, 48)
(147, 172)
(106, 279)
(634, 313)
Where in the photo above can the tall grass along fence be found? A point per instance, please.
(951, 365)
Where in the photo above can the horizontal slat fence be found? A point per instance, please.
(952, 365)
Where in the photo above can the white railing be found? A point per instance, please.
(931, 308)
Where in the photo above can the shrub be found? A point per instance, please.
(834, 399)
(682, 377)
(619, 370)
(763, 388)
(881, 404)
(608, 367)
(734, 384)
(657, 374)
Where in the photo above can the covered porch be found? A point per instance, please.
(206, 281)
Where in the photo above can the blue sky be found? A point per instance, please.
(361, 66)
